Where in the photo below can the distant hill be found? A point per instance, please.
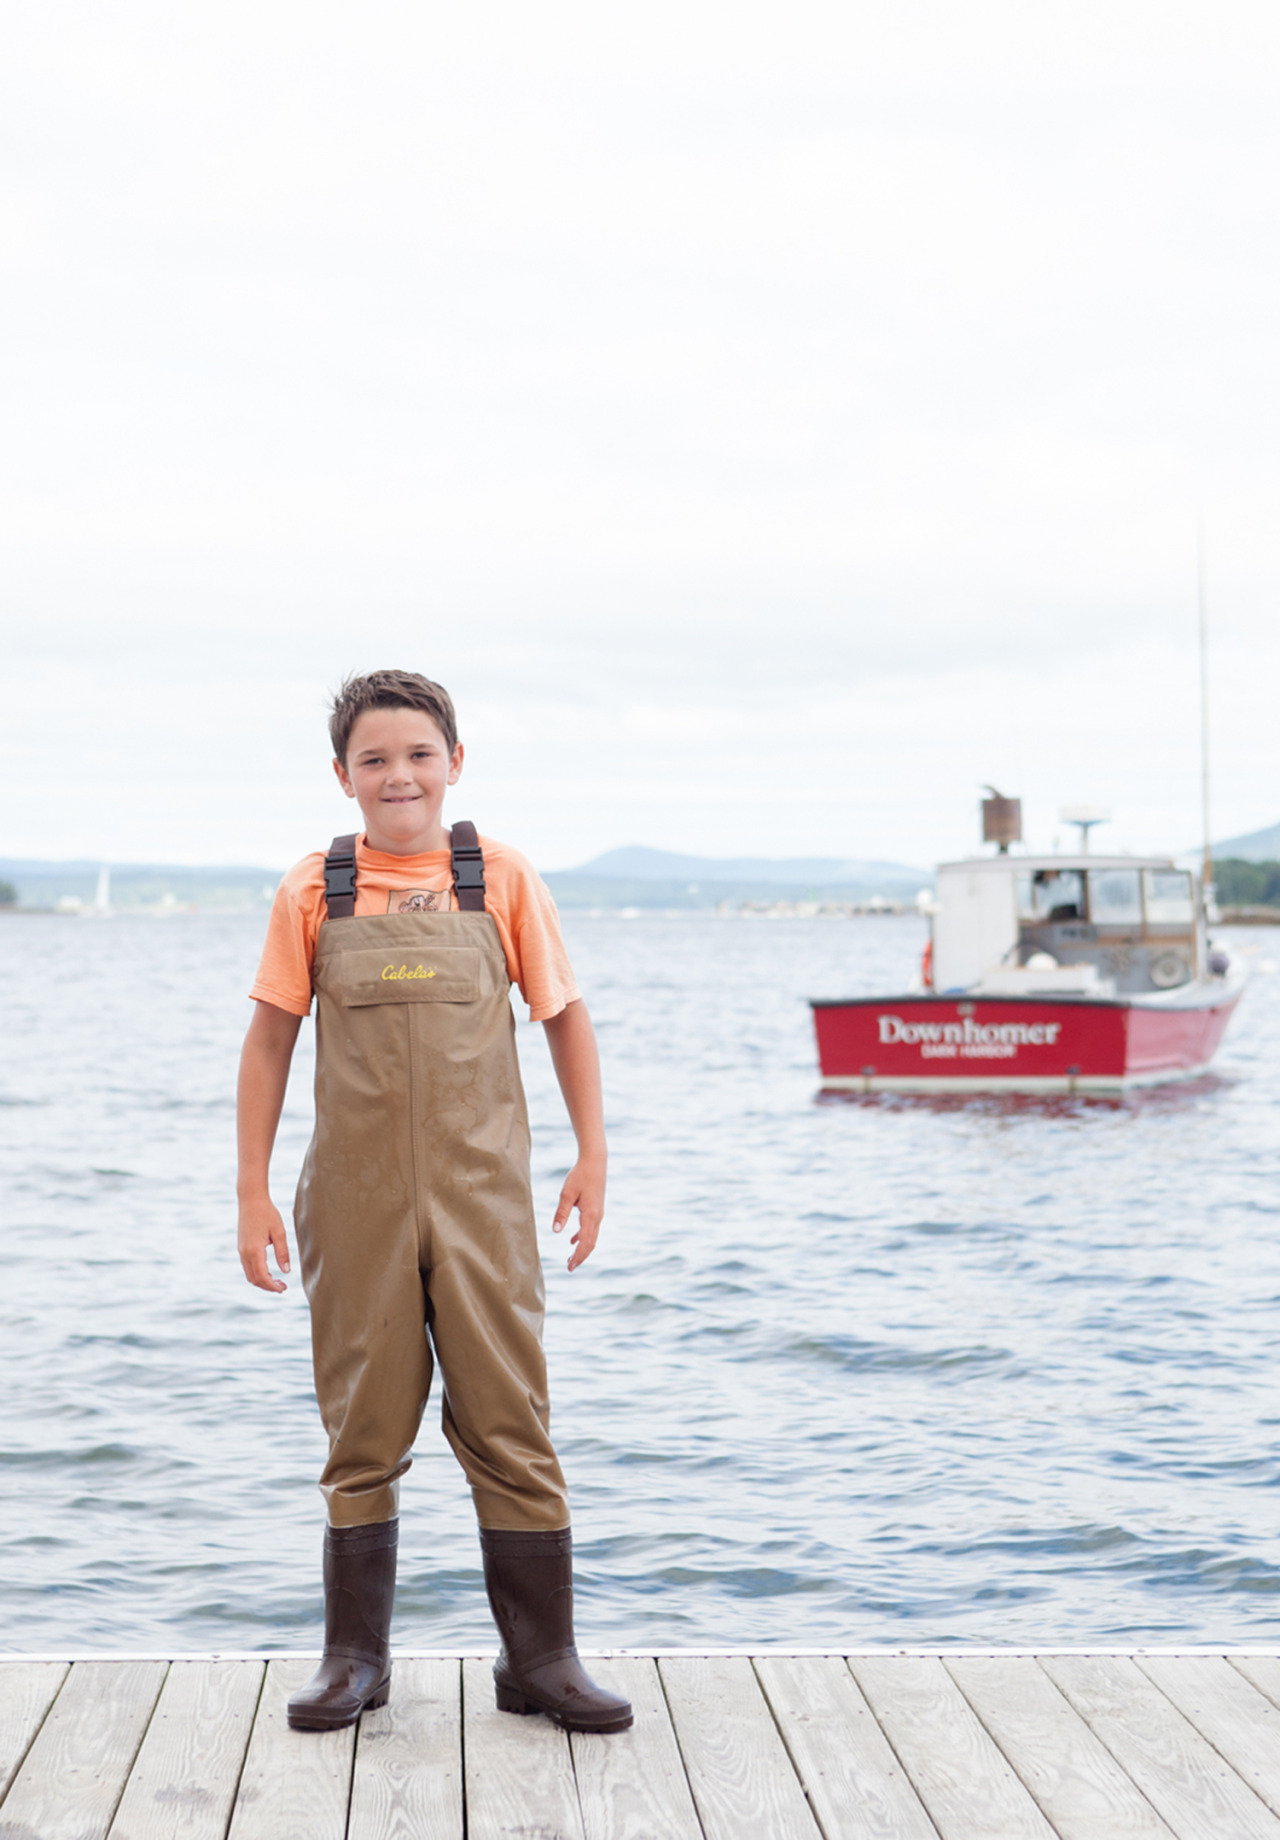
(631, 877)
(636, 863)
(229, 887)
(641, 877)
(1256, 846)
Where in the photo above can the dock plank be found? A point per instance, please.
(1078, 1784)
(183, 1781)
(295, 1784)
(1240, 1722)
(742, 1779)
(958, 1772)
(519, 1771)
(856, 1786)
(407, 1783)
(631, 1784)
(1262, 1671)
(72, 1777)
(1198, 1793)
(942, 1745)
(27, 1690)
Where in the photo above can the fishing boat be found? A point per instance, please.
(1077, 973)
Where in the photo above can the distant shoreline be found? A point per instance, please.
(622, 881)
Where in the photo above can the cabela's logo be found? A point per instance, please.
(973, 1040)
(391, 976)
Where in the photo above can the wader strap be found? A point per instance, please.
(468, 868)
(340, 878)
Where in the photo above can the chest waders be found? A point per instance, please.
(416, 1229)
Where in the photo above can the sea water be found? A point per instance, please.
(841, 1372)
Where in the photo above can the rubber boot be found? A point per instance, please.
(359, 1585)
(529, 1578)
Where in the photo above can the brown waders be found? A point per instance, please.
(415, 1214)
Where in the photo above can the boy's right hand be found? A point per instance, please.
(261, 1227)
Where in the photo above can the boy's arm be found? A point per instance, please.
(264, 1074)
(572, 1042)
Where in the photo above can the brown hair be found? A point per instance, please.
(389, 690)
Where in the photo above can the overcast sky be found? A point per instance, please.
(771, 422)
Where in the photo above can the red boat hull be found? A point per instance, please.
(1017, 1044)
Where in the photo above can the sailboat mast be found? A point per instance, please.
(1207, 871)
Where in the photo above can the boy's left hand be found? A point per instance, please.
(583, 1189)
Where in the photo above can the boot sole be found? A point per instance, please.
(510, 1699)
(317, 1721)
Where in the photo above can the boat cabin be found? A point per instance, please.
(1088, 925)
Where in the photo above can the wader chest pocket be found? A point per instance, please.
(440, 974)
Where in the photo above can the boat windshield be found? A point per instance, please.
(1168, 894)
(1051, 894)
(1115, 897)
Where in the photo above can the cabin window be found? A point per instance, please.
(1051, 894)
(1168, 894)
(1115, 897)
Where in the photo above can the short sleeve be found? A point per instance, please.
(542, 967)
(284, 971)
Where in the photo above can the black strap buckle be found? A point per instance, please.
(468, 867)
(339, 877)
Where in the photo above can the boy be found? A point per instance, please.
(414, 1212)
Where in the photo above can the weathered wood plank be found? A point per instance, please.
(27, 1690)
(958, 1773)
(742, 1779)
(71, 1779)
(519, 1772)
(1262, 1671)
(408, 1771)
(1070, 1772)
(631, 1784)
(1180, 1773)
(856, 1786)
(295, 1784)
(183, 1781)
(1087, 1747)
(1240, 1722)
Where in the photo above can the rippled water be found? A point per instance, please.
(876, 1370)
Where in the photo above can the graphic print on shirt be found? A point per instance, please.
(419, 901)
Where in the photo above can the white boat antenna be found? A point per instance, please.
(1086, 816)
(1207, 871)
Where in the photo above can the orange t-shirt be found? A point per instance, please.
(515, 895)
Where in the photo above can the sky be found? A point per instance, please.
(772, 423)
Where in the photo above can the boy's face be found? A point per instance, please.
(398, 767)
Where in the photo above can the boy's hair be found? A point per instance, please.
(389, 690)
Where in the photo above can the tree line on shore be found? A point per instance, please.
(1238, 884)
(1247, 884)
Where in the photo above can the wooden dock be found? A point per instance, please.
(950, 1745)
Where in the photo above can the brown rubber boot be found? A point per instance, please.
(529, 1578)
(359, 1585)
